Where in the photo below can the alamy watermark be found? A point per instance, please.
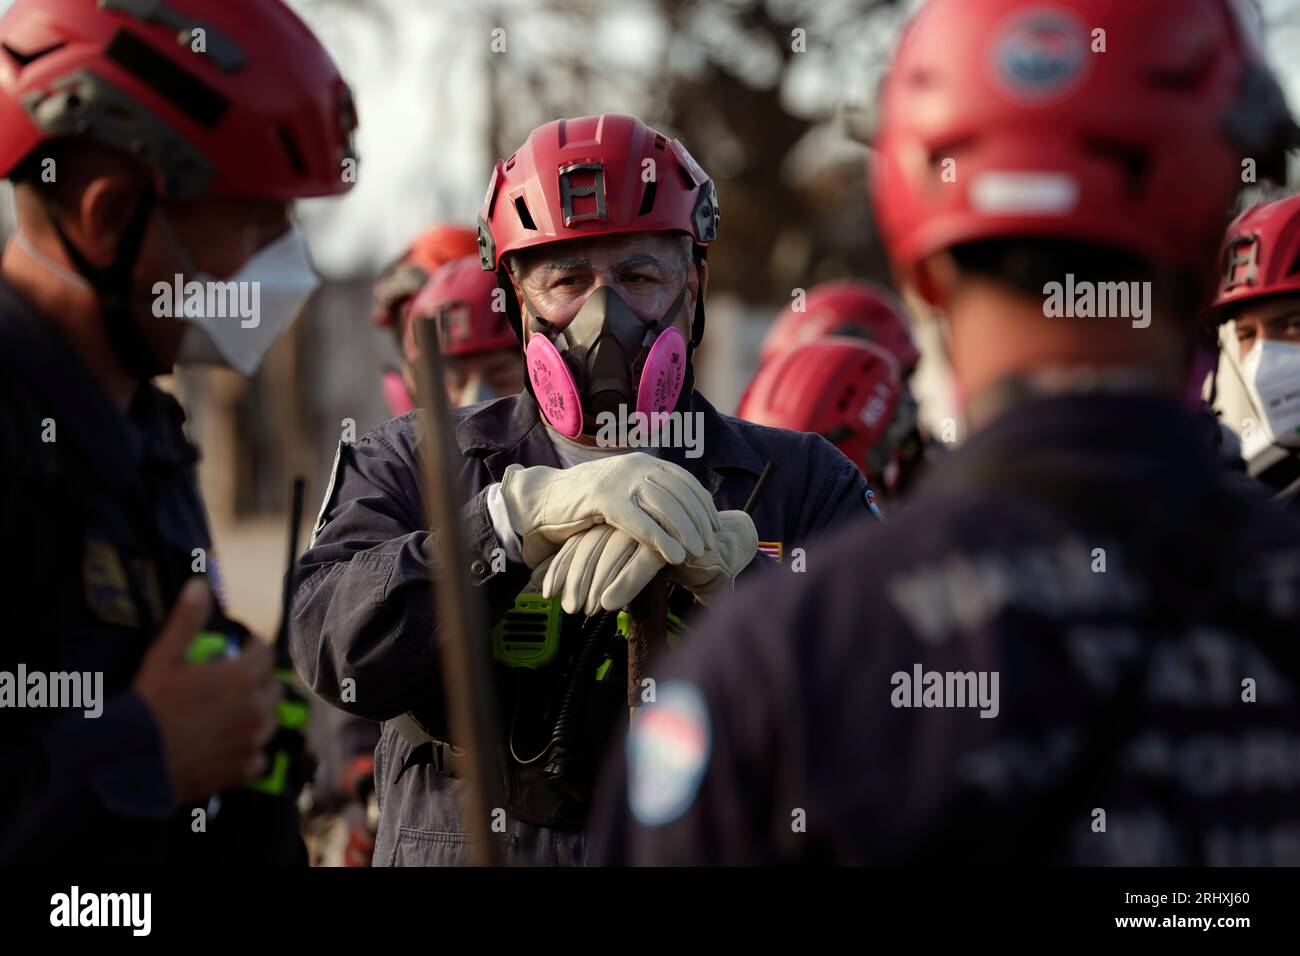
(624, 429)
(78, 909)
(57, 690)
(922, 688)
(179, 299)
(1101, 300)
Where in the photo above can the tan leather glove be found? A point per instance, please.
(656, 502)
(604, 567)
(714, 573)
(601, 567)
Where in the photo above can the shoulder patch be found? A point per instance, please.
(667, 754)
(772, 549)
(869, 497)
(108, 592)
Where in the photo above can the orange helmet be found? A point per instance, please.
(400, 282)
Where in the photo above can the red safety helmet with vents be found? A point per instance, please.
(595, 176)
(458, 298)
(998, 120)
(861, 309)
(1261, 255)
(845, 389)
(236, 98)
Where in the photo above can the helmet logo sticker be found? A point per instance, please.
(571, 190)
(1041, 54)
(1242, 251)
(456, 323)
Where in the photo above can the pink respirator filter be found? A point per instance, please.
(664, 373)
(660, 385)
(395, 393)
(553, 383)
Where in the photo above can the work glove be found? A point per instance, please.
(601, 567)
(714, 573)
(604, 567)
(658, 503)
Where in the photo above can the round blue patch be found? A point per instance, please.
(667, 753)
(1041, 53)
(869, 497)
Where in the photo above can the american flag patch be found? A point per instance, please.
(771, 548)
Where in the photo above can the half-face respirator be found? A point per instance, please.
(605, 358)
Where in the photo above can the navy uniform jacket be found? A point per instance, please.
(1138, 604)
(1279, 470)
(363, 608)
(100, 524)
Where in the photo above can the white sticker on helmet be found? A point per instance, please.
(1024, 193)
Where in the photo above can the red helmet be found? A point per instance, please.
(1261, 254)
(407, 275)
(236, 98)
(595, 176)
(999, 120)
(459, 298)
(844, 389)
(861, 309)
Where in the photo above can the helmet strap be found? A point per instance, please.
(112, 285)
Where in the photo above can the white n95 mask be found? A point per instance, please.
(235, 321)
(1272, 373)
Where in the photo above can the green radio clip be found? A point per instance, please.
(529, 633)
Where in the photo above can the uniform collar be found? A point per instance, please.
(1122, 436)
(114, 445)
(511, 431)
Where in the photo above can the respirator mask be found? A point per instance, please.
(605, 358)
(1271, 371)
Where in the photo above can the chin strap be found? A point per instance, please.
(112, 285)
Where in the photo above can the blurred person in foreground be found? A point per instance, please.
(1077, 643)
(154, 182)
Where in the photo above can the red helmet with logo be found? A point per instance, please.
(844, 389)
(861, 309)
(236, 98)
(458, 298)
(1116, 123)
(595, 176)
(1261, 254)
(407, 275)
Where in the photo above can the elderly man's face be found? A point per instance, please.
(647, 269)
(1276, 319)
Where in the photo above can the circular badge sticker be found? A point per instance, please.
(667, 753)
(1040, 54)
